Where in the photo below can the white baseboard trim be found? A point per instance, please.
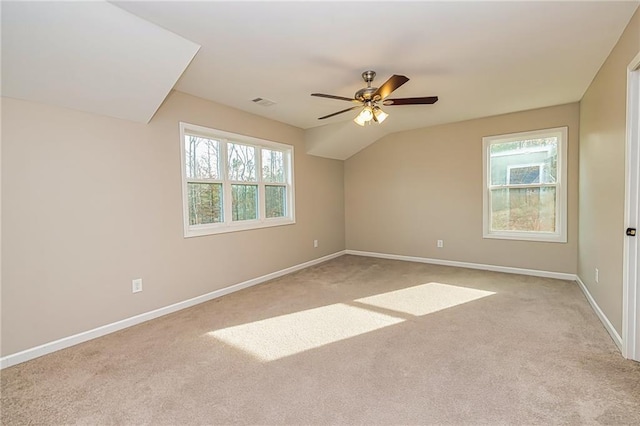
(506, 269)
(29, 354)
(603, 318)
(65, 342)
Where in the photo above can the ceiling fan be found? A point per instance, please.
(369, 98)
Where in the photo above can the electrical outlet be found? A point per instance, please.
(136, 285)
(440, 243)
(315, 243)
(597, 276)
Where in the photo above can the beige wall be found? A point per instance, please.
(91, 202)
(602, 180)
(410, 189)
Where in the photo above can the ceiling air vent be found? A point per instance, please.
(264, 102)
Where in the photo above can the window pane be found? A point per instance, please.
(273, 166)
(202, 157)
(523, 209)
(205, 203)
(275, 200)
(524, 175)
(242, 162)
(245, 202)
(528, 153)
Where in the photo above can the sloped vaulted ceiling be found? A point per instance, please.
(90, 56)
(480, 58)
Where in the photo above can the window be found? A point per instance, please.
(525, 194)
(232, 182)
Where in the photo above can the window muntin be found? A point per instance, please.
(233, 182)
(525, 186)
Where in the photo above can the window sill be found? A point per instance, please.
(203, 230)
(527, 236)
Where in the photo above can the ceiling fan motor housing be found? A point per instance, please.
(366, 94)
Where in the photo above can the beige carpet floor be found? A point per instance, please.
(351, 341)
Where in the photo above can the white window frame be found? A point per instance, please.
(560, 234)
(228, 225)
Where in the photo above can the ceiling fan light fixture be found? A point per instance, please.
(379, 114)
(364, 117)
(359, 121)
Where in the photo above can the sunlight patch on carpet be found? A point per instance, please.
(425, 298)
(278, 337)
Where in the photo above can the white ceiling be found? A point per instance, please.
(480, 58)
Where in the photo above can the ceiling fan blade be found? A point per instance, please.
(340, 98)
(411, 101)
(339, 112)
(390, 85)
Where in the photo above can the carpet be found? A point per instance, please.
(354, 340)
